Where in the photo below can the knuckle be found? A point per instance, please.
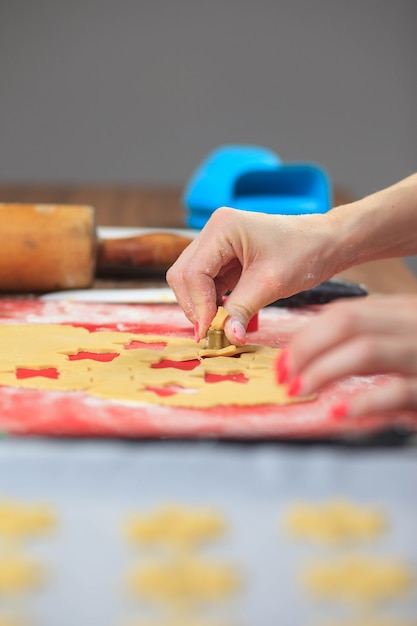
(404, 393)
(170, 276)
(368, 349)
(409, 358)
(271, 282)
(221, 214)
(346, 319)
(176, 276)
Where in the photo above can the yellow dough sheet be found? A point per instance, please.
(132, 376)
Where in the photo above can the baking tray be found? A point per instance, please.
(52, 413)
(93, 486)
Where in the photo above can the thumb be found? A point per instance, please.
(251, 293)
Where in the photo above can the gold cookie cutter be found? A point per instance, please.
(216, 339)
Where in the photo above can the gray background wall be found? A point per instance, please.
(139, 91)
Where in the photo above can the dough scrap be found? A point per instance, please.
(226, 351)
(131, 377)
(219, 319)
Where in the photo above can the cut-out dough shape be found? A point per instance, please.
(186, 580)
(191, 621)
(358, 579)
(334, 521)
(21, 520)
(11, 620)
(19, 574)
(369, 620)
(176, 526)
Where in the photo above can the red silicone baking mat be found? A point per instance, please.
(53, 413)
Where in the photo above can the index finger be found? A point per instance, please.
(338, 322)
(193, 276)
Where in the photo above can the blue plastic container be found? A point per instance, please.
(253, 178)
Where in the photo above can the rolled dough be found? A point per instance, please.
(135, 375)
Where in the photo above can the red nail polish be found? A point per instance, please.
(281, 367)
(339, 410)
(197, 332)
(295, 386)
(253, 324)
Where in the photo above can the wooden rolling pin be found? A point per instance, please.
(48, 247)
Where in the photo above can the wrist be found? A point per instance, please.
(352, 232)
(379, 226)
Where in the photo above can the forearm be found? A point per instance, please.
(379, 226)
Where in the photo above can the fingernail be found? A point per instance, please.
(281, 366)
(339, 410)
(239, 332)
(295, 386)
(197, 332)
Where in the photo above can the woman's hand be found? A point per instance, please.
(259, 257)
(376, 335)
(262, 258)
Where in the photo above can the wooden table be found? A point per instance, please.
(147, 206)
